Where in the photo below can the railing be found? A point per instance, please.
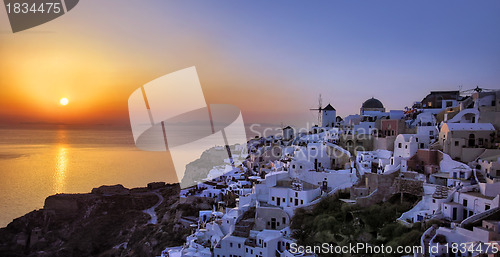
(428, 234)
(478, 216)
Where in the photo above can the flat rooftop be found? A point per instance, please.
(479, 195)
(288, 184)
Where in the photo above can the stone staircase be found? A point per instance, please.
(427, 240)
(441, 192)
(480, 177)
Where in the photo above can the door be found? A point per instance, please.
(472, 140)
(273, 223)
(278, 201)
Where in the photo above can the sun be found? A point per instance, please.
(64, 101)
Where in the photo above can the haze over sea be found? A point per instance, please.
(36, 163)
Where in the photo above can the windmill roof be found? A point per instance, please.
(329, 107)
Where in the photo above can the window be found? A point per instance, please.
(284, 220)
(480, 141)
(431, 133)
(301, 201)
(296, 194)
(486, 207)
(406, 146)
(230, 244)
(272, 198)
(400, 145)
(422, 145)
(293, 166)
(456, 143)
(416, 139)
(465, 202)
(239, 245)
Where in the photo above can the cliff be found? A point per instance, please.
(110, 221)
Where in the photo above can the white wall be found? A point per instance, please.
(426, 135)
(291, 198)
(328, 118)
(405, 149)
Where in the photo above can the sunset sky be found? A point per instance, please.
(269, 58)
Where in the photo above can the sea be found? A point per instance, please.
(36, 163)
(39, 161)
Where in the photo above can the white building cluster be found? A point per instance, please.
(443, 149)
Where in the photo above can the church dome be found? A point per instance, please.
(372, 103)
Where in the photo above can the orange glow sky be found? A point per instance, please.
(272, 67)
(98, 72)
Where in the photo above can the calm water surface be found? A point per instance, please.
(41, 162)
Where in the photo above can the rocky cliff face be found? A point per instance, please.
(198, 169)
(107, 222)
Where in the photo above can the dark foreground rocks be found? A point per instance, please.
(107, 222)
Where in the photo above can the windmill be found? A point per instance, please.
(319, 109)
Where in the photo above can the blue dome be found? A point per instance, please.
(372, 103)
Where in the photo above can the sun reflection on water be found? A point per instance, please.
(60, 175)
(61, 164)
